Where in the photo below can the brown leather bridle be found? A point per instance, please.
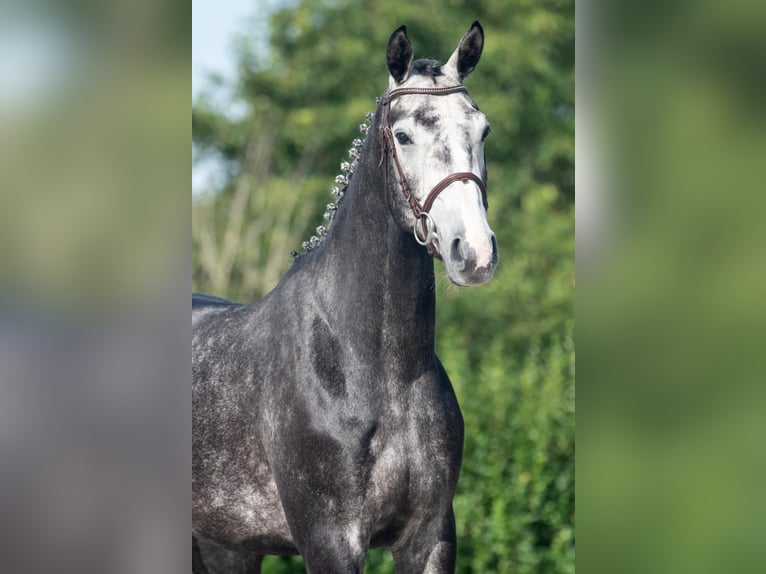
(388, 148)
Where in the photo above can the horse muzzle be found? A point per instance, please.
(469, 264)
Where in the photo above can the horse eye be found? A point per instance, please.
(487, 131)
(403, 138)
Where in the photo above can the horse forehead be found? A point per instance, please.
(458, 102)
(432, 111)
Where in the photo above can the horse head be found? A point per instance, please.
(433, 142)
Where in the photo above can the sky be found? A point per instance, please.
(215, 25)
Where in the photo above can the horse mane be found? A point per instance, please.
(338, 190)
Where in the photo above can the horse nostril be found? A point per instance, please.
(494, 248)
(455, 251)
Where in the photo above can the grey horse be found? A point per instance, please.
(323, 422)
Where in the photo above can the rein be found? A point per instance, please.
(427, 232)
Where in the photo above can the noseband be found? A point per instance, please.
(427, 232)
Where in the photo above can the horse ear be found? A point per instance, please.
(399, 54)
(465, 57)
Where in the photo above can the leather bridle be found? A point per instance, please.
(427, 233)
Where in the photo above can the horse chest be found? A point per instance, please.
(416, 465)
(406, 475)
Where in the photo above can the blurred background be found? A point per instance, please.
(671, 270)
(269, 130)
(95, 266)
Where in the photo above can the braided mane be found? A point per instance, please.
(340, 185)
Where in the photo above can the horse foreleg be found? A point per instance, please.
(332, 559)
(430, 550)
(330, 550)
(210, 558)
(198, 564)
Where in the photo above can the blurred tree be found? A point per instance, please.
(507, 345)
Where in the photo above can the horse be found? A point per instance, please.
(324, 424)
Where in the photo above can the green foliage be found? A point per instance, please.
(515, 499)
(508, 346)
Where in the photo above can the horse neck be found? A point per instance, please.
(381, 281)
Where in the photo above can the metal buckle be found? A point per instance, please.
(429, 230)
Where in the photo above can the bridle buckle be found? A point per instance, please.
(429, 231)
